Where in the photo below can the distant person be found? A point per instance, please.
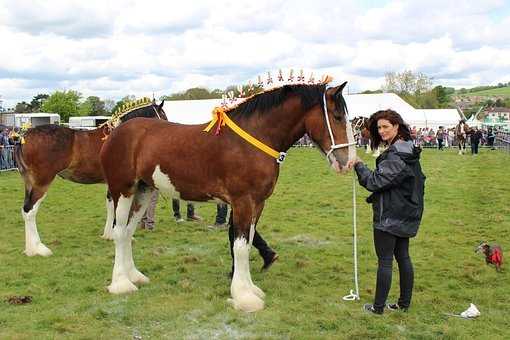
(491, 137)
(221, 216)
(476, 136)
(148, 219)
(440, 138)
(190, 211)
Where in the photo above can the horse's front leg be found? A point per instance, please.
(245, 295)
(33, 199)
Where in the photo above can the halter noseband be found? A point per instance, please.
(333, 145)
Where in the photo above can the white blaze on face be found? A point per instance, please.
(350, 139)
(163, 184)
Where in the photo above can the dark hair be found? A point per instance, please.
(394, 118)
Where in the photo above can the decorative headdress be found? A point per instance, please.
(230, 101)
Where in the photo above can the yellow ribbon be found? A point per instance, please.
(220, 117)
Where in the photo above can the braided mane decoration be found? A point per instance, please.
(126, 108)
(230, 102)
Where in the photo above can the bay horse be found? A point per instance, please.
(237, 164)
(461, 132)
(361, 129)
(51, 150)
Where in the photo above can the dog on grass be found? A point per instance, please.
(493, 254)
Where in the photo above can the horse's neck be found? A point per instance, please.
(277, 128)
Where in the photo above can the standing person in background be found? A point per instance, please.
(476, 136)
(397, 185)
(440, 138)
(190, 211)
(221, 216)
(148, 220)
(491, 137)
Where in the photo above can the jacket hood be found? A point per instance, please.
(407, 151)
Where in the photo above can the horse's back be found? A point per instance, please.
(47, 147)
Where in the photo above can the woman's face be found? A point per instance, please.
(386, 130)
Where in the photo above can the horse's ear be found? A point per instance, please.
(161, 105)
(340, 88)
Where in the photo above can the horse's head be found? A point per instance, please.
(151, 110)
(330, 129)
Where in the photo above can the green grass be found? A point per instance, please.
(501, 91)
(307, 220)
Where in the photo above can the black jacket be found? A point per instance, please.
(397, 185)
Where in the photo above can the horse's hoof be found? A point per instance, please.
(107, 237)
(247, 302)
(257, 291)
(39, 250)
(138, 278)
(122, 286)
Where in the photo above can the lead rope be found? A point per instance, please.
(354, 295)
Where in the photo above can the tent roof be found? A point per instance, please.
(200, 111)
(440, 117)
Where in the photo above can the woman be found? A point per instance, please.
(397, 186)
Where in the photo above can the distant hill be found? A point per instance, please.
(500, 91)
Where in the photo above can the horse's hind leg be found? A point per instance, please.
(245, 295)
(140, 205)
(110, 216)
(128, 213)
(33, 197)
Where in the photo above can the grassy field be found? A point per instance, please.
(307, 220)
(501, 91)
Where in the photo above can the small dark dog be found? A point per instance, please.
(493, 254)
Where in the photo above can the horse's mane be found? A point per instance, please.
(138, 112)
(310, 95)
(130, 110)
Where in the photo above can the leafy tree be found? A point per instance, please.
(406, 82)
(65, 103)
(36, 103)
(22, 107)
(442, 96)
(193, 94)
(92, 106)
(109, 104)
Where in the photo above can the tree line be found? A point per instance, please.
(414, 87)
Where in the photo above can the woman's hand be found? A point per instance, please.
(351, 163)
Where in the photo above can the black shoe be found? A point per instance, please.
(369, 308)
(194, 218)
(396, 307)
(269, 260)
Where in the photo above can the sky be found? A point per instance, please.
(113, 48)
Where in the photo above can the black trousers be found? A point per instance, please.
(440, 144)
(176, 207)
(387, 246)
(264, 249)
(221, 213)
(474, 148)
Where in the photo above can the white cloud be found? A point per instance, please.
(114, 48)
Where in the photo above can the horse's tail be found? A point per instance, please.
(18, 157)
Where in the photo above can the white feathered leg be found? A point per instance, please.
(122, 238)
(245, 295)
(110, 214)
(33, 244)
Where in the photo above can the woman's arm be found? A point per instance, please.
(389, 173)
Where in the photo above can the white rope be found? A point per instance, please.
(354, 295)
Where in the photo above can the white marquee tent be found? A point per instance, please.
(200, 111)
